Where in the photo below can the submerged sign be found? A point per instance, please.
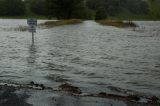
(32, 22)
(32, 27)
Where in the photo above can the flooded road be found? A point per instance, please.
(93, 57)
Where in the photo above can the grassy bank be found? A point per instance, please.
(50, 24)
(117, 23)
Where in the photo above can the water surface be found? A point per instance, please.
(94, 57)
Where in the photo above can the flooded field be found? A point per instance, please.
(93, 57)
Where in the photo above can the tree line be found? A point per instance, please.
(11, 7)
(67, 9)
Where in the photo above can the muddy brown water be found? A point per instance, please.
(93, 57)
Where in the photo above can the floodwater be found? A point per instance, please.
(93, 57)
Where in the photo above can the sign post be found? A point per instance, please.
(32, 37)
(32, 27)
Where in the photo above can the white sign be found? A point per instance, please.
(32, 22)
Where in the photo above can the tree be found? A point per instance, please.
(2, 8)
(38, 7)
(136, 6)
(111, 6)
(101, 14)
(154, 9)
(12, 7)
(114, 7)
(65, 9)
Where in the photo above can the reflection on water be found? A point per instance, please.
(93, 57)
(31, 59)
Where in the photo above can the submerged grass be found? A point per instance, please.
(50, 24)
(47, 24)
(117, 23)
(21, 28)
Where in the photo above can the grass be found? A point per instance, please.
(21, 28)
(117, 23)
(50, 24)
